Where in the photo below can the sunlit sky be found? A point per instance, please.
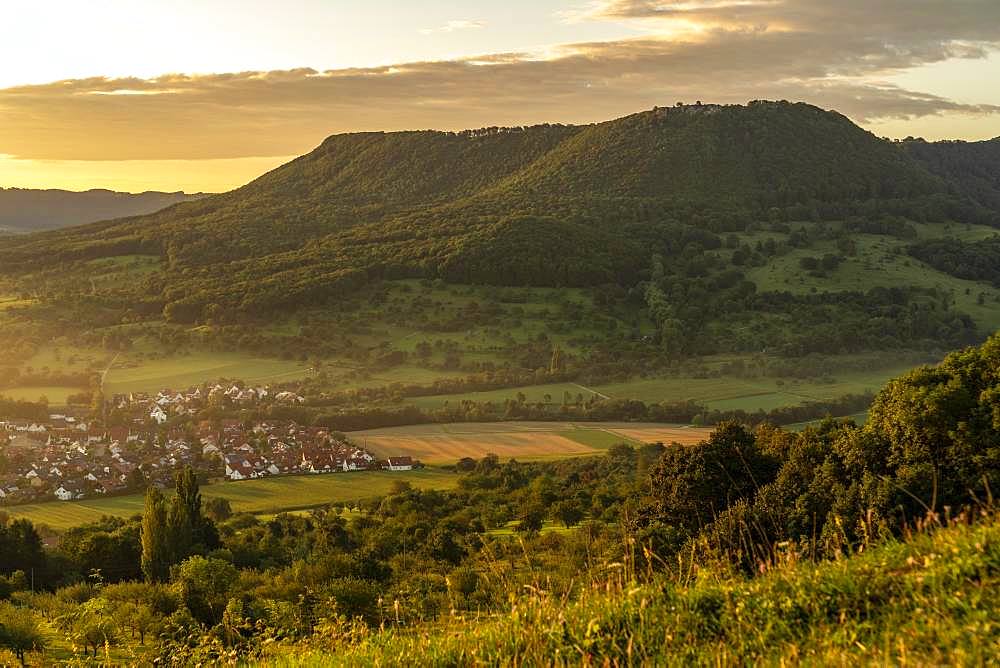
(203, 95)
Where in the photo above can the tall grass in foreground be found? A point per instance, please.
(931, 599)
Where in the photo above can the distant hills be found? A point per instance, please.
(25, 210)
(552, 205)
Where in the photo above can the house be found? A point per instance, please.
(158, 415)
(399, 464)
(63, 494)
(239, 467)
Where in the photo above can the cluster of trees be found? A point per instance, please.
(170, 534)
(928, 447)
(702, 305)
(974, 261)
(21, 409)
(566, 407)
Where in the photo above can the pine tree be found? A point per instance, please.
(156, 552)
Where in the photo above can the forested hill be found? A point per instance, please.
(545, 205)
(971, 167)
(24, 210)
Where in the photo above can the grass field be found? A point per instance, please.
(132, 374)
(56, 395)
(879, 263)
(726, 393)
(524, 441)
(267, 496)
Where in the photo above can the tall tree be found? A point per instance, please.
(189, 530)
(156, 545)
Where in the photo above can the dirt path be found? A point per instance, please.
(587, 389)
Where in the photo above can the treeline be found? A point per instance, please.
(573, 408)
(20, 409)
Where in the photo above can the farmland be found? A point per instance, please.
(445, 444)
(266, 496)
(722, 393)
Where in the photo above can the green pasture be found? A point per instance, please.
(265, 496)
(880, 262)
(133, 374)
(722, 393)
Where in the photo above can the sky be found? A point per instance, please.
(204, 95)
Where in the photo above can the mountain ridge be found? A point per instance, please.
(25, 210)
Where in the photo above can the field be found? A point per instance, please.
(56, 395)
(267, 496)
(879, 264)
(725, 393)
(447, 443)
(131, 374)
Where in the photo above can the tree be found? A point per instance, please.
(94, 626)
(218, 509)
(692, 484)
(204, 584)
(20, 546)
(156, 547)
(568, 511)
(532, 518)
(189, 530)
(20, 631)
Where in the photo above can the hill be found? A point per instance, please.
(24, 210)
(674, 246)
(869, 608)
(546, 205)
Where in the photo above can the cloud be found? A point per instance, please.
(837, 55)
(454, 26)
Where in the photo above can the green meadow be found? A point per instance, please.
(131, 374)
(265, 496)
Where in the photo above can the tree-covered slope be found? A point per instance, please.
(546, 205)
(972, 168)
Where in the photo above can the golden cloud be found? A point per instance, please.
(832, 54)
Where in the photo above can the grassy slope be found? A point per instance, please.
(933, 600)
(269, 495)
(882, 262)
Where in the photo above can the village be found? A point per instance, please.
(70, 458)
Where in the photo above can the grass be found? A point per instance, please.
(722, 393)
(532, 393)
(132, 373)
(266, 496)
(881, 262)
(57, 395)
(931, 600)
(549, 526)
(599, 439)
